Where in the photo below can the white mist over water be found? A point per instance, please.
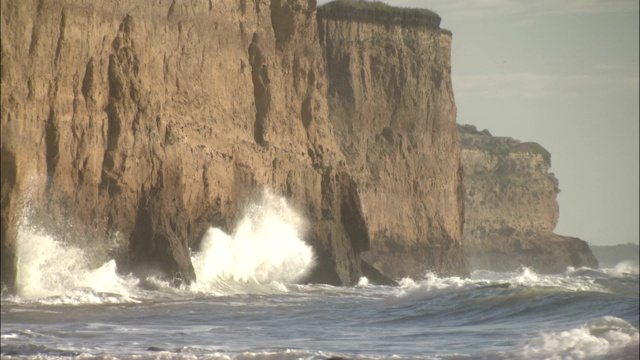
(625, 267)
(266, 248)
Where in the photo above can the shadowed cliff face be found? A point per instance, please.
(511, 208)
(129, 129)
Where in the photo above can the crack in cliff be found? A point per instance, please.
(282, 21)
(351, 215)
(88, 82)
(261, 90)
(8, 182)
(35, 30)
(306, 108)
(124, 92)
(52, 144)
(154, 248)
(63, 24)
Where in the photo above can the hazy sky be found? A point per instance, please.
(563, 73)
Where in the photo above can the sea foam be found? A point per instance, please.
(607, 337)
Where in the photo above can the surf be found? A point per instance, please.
(265, 253)
(50, 271)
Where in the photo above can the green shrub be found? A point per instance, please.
(497, 149)
(378, 11)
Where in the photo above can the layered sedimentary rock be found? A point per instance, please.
(131, 127)
(511, 209)
(392, 108)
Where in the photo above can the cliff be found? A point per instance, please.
(511, 208)
(132, 127)
(391, 104)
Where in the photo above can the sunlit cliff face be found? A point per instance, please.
(511, 207)
(159, 122)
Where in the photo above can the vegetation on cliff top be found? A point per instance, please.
(471, 138)
(536, 148)
(377, 11)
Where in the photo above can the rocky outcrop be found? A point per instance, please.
(132, 127)
(511, 208)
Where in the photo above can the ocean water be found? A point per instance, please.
(247, 305)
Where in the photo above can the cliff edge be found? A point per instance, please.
(511, 208)
(130, 128)
(391, 104)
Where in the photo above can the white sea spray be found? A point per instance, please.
(51, 271)
(266, 248)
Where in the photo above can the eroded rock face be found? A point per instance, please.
(149, 123)
(511, 208)
(392, 108)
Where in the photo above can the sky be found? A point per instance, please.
(563, 73)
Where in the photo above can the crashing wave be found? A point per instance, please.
(604, 338)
